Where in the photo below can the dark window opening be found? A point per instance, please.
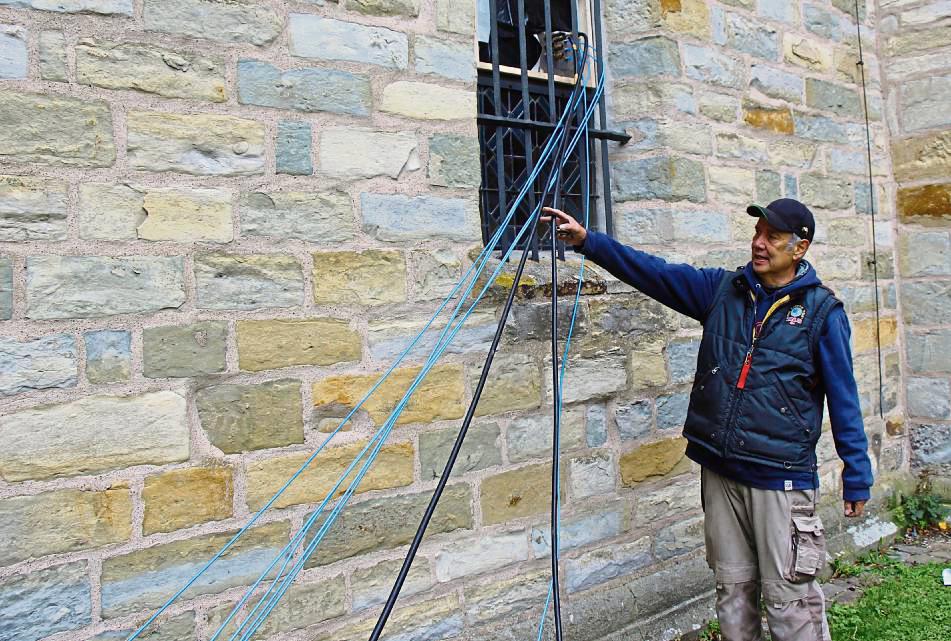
(526, 77)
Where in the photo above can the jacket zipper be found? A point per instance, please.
(747, 364)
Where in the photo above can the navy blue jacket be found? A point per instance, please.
(690, 291)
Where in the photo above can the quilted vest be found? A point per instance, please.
(757, 396)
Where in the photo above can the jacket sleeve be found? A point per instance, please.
(683, 288)
(845, 412)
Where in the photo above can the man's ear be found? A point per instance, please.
(801, 248)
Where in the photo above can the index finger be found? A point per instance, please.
(557, 213)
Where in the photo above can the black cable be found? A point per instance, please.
(556, 382)
(470, 413)
(871, 197)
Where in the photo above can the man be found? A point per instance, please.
(775, 344)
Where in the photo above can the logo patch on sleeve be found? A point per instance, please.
(796, 315)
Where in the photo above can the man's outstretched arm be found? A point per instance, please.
(683, 288)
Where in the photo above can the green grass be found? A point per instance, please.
(909, 604)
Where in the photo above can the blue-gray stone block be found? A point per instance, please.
(13, 53)
(701, 226)
(313, 36)
(768, 186)
(41, 363)
(596, 426)
(753, 38)
(672, 411)
(863, 202)
(634, 420)
(791, 186)
(394, 217)
(929, 398)
(44, 602)
(108, 356)
(826, 24)
(6, 288)
(819, 128)
(444, 58)
(310, 90)
(708, 65)
(682, 356)
(292, 148)
(776, 83)
(654, 56)
(781, 10)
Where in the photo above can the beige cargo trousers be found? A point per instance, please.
(767, 543)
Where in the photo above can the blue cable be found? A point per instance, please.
(381, 436)
(326, 525)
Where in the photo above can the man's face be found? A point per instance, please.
(771, 253)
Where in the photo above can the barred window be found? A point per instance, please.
(525, 81)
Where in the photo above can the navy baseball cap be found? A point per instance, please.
(787, 214)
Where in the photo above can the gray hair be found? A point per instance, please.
(794, 239)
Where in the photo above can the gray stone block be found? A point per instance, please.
(398, 218)
(108, 356)
(307, 89)
(710, 66)
(634, 420)
(819, 128)
(42, 363)
(776, 83)
(6, 288)
(927, 351)
(596, 428)
(52, 56)
(604, 564)
(292, 148)
(672, 411)
(659, 177)
(99, 7)
(444, 58)
(317, 217)
(924, 103)
(752, 37)
(248, 281)
(14, 60)
(94, 286)
(924, 253)
(314, 36)
(579, 531)
(928, 398)
(924, 301)
(828, 96)
(768, 186)
(32, 208)
(233, 21)
(653, 56)
(931, 445)
(44, 602)
(679, 538)
(825, 192)
(454, 161)
(826, 24)
(682, 356)
(187, 350)
(481, 449)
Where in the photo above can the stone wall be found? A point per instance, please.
(222, 219)
(916, 43)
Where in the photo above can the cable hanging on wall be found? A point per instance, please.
(871, 203)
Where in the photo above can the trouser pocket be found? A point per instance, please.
(808, 554)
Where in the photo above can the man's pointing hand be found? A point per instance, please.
(567, 229)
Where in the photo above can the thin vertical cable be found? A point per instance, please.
(871, 202)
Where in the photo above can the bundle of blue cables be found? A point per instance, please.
(281, 572)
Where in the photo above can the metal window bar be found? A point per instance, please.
(518, 112)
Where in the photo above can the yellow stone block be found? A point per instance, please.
(686, 16)
(927, 204)
(648, 366)
(517, 493)
(514, 383)
(651, 460)
(438, 397)
(272, 344)
(777, 120)
(182, 498)
(863, 334)
(428, 102)
(63, 521)
(392, 468)
(372, 277)
(922, 157)
(187, 215)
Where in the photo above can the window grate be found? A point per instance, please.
(520, 150)
(522, 91)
